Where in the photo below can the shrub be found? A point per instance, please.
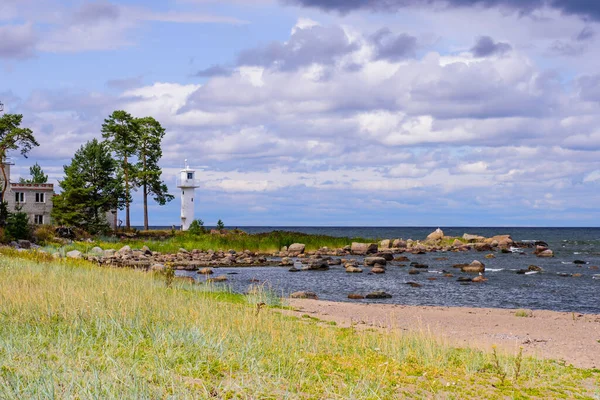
(17, 226)
(44, 234)
(220, 225)
(196, 227)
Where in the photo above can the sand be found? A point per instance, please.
(573, 338)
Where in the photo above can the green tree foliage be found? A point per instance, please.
(17, 226)
(196, 227)
(37, 175)
(148, 173)
(4, 214)
(90, 189)
(13, 137)
(220, 225)
(121, 132)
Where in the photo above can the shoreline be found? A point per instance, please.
(554, 335)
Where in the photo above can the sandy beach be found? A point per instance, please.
(572, 337)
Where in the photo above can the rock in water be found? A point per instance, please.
(361, 249)
(479, 278)
(355, 296)
(370, 261)
(379, 295)
(377, 269)
(304, 295)
(435, 236)
(546, 253)
(206, 271)
(474, 267)
(353, 270)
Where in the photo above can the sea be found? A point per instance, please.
(569, 282)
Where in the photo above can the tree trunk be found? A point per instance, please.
(4, 183)
(145, 207)
(126, 173)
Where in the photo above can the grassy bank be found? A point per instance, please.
(261, 242)
(71, 330)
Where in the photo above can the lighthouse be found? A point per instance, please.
(188, 183)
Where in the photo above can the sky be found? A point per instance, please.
(326, 112)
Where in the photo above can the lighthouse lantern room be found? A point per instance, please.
(188, 183)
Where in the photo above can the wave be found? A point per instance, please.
(494, 269)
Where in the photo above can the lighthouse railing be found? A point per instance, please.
(189, 183)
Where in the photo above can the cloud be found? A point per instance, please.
(307, 45)
(96, 11)
(212, 71)
(125, 83)
(17, 41)
(393, 47)
(586, 34)
(485, 47)
(582, 8)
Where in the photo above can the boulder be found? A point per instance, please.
(378, 295)
(414, 272)
(479, 278)
(293, 269)
(355, 296)
(74, 254)
(474, 267)
(317, 264)
(216, 279)
(286, 262)
(109, 253)
(334, 261)
(206, 271)
(457, 243)
(362, 249)
(370, 261)
(473, 238)
(304, 295)
(546, 253)
(125, 250)
(296, 248)
(97, 251)
(535, 268)
(146, 250)
(419, 266)
(158, 268)
(384, 244)
(414, 284)
(435, 236)
(353, 270)
(401, 259)
(398, 244)
(24, 244)
(490, 256)
(377, 269)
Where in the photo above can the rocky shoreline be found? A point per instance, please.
(372, 255)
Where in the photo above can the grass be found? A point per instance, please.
(261, 242)
(523, 313)
(72, 330)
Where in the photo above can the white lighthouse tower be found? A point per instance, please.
(188, 183)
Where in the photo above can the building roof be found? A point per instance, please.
(37, 186)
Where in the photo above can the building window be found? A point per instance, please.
(19, 197)
(38, 219)
(190, 175)
(40, 198)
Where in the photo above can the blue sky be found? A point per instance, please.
(315, 112)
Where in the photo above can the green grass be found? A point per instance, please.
(72, 330)
(263, 242)
(523, 313)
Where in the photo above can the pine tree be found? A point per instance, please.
(91, 188)
(13, 137)
(37, 175)
(148, 173)
(121, 132)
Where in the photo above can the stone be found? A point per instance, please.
(464, 279)
(158, 268)
(286, 262)
(334, 261)
(206, 271)
(546, 253)
(24, 244)
(420, 266)
(473, 238)
(370, 261)
(361, 249)
(304, 295)
(318, 264)
(474, 267)
(296, 248)
(97, 251)
(577, 275)
(504, 241)
(479, 278)
(490, 256)
(76, 254)
(146, 250)
(579, 262)
(401, 259)
(457, 243)
(293, 269)
(384, 244)
(435, 236)
(355, 296)
(398, 244)
(414, 272)
(217, 279)
(353, 270)
(125, 250)
(109, 253)
(378, 295)
(378, 269)
(414, 284)
(535, 268)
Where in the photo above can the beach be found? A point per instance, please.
(572, 337)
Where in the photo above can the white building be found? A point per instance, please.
(188, 183)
